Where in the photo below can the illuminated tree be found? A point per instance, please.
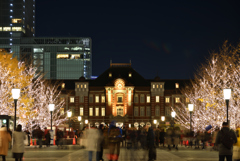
(36, 94)
(206, 91)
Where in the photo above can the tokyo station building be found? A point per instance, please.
(123, 95)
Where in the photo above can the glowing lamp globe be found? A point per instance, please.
(15, 93)
(173, 114)
(69, 113)
(79, 118)
(51, 107)
(163, 118)
(190, 107)
(227, 94)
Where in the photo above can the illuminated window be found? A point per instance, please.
(63, 85)
(81, 86)
(96, 111)
(85, 86)
(120, 111)
(77, 86)
(130, 74)
(187, 100)
(0, 28)
(103, 99)
(177, 99)
(97, 99)
(160, 86)
(6, 28)
(176, 85)
(119, 99)
(110, 74)
(148, 99)
(157, 85)
(81, 111)
(75, 56)
(62, 56)
(157, 98)
(90, 111)
(76, 48)
(38, 50)
(71, 99)
(153, 85)
(16, 20)
(167, 99)
(142, 111)
(103, 111)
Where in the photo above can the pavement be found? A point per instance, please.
(75, 153)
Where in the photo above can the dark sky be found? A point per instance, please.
(170, 38)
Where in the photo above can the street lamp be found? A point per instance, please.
(155, 122)
(15, 95)
(51, 109)
(69, 113)
(227, 95)
(80, 119)
(163, 118)
(173, 116)
(190, 108)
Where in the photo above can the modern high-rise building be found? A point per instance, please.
(17, 18)
(55, 57)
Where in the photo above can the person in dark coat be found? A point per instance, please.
(101, 143)
(157, 136)
(48, 138)
(162, 137)
(224, 151)
(151, 145)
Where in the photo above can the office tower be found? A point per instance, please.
(55, 57)
(17, 18)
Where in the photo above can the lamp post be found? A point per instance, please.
(80, 119)
(173, 116)
(155, 122)
(190, 108)
(162, 118)
(51, 109)
(227, 95)
(15, 95)
(69, 113)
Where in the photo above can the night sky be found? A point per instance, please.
(166, 38)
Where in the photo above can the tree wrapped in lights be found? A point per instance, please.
(220, 71)
(36, 94)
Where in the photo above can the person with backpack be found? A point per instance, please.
(114, 139)
(225, 140)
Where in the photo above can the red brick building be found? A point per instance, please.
(123, 95)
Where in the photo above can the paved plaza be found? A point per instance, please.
(75, 153)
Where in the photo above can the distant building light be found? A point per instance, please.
(94, 77)
(11, 33)
(10, 44)
(11, 4)
(11, 10)
(10, 16)
(10, 39)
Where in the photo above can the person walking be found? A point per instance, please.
(5, 138)
(48, 138)
(18, 143)
(225, 139)
(92, 138)
(100, 143)
(151, 145)
(162, 137)
(176, 137)
(39, 136)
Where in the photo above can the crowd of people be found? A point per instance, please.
(109, 139)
